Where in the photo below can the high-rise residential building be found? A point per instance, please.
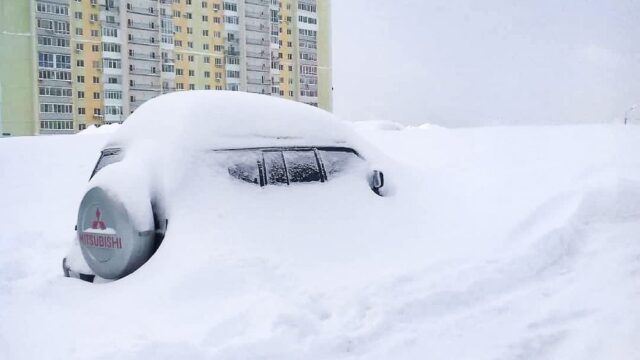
(76, 63)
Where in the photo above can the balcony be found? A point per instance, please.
(258, 2)
(140, 41)
(145, 72)
(143, 26)
(257, 42)
(146, 57)
(258, 81)
(258, 68)
(141, 10)
(146, 87)
(109, 119)
(260, 28)
(308, 62)
(232, 41)
(308, 38)
(257, 55)
(263, 15)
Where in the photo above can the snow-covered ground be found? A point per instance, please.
(517, 243)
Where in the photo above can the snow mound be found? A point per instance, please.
(427, 126)
(100, 130)
(380, 125)
(502, 243)
(221, 119)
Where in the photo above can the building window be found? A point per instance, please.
(113, 94)
(231, 20)
(56, 124)
(110, 32)
(56, 108)
(52, 9)
(81, 111)
(54, 91)
(111, 47)
(113, 110)
(112, 64)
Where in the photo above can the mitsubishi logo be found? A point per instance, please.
(97, 223)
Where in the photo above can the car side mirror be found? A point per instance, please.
(377, 181)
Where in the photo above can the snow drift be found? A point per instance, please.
(501, 243)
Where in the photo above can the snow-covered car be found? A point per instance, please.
(237, 141)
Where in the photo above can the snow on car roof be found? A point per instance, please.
(225, 119)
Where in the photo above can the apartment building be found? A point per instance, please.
(55, 100)
(96, 61)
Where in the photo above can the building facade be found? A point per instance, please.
(18, 71)
(93, 62)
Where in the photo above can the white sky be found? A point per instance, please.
(480, 62)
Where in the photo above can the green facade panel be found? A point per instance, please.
(18, 114)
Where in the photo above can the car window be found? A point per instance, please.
(245, 165)
(337, 161)
(107, 157)
(285, 166)
(302, 166)
(275, 168)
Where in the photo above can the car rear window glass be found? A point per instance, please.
(302, 166)
(108, 157)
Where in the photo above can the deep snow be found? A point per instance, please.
(519, 243)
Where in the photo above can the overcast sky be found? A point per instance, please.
(479, 62)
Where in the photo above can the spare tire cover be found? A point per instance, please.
(110, 243)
